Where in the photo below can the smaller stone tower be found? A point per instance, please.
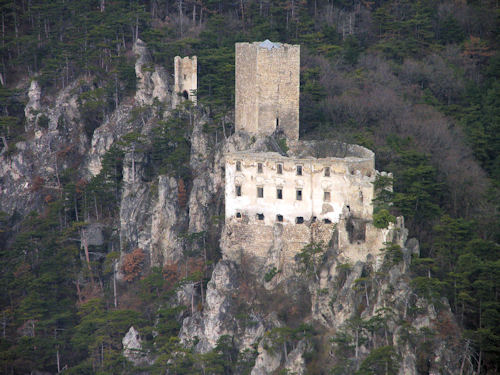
(185, 79)
(267, 88)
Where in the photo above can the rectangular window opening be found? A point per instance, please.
(238, 215)
(326, 196)
(299, 195)
(279, 193)
(327, 171)
(260, 216)
(260, 192)
(238, 190)
(299, 220)
(279, 218)
(259, 167)
(279, 168)
(299, 170)
(238, 166)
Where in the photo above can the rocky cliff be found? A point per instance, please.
(338, 316)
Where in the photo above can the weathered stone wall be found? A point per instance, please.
(367, 240)
(271, 245)
(267, 88)
(349, 186)
(185, 78)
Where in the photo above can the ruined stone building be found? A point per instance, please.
(313, 191)
(185, 79)
(267, 88)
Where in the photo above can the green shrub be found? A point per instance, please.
(382, 218)
(270, 274)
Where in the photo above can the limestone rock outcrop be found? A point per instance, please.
(133, 347)
(152, 81)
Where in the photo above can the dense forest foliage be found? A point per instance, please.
(418, 82)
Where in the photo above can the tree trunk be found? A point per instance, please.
(58, 361)
(114, 285)
(192, 302)
(179, 4)
(356, 351)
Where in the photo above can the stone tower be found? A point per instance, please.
(267, 88)
(185, 79)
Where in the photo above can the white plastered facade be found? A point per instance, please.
(316, 194)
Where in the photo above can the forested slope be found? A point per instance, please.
(418, 82)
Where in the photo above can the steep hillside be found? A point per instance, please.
(112, 200)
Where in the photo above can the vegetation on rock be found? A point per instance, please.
(416, 81)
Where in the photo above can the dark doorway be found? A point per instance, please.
(185, 94)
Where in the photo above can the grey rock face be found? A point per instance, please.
(207, 179)
(216, 319)
(93, 234)
(152, 81)
(31, 174)
(33, 105)
(132, 347)
(114, 127)
(166, 222)
(152, 220)
(266, 362)
(296, 363)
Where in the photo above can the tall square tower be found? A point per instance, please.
(185, 79)
(267, 88)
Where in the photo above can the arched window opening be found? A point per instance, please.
(185, 94)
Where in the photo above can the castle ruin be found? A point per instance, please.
(185, 79)
(267, 88)
(315, 191)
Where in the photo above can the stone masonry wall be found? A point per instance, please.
(267, 88)
(271, 245)
(185, 78)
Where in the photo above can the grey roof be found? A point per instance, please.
(269, 45)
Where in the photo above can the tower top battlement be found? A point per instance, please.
(267, 88)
